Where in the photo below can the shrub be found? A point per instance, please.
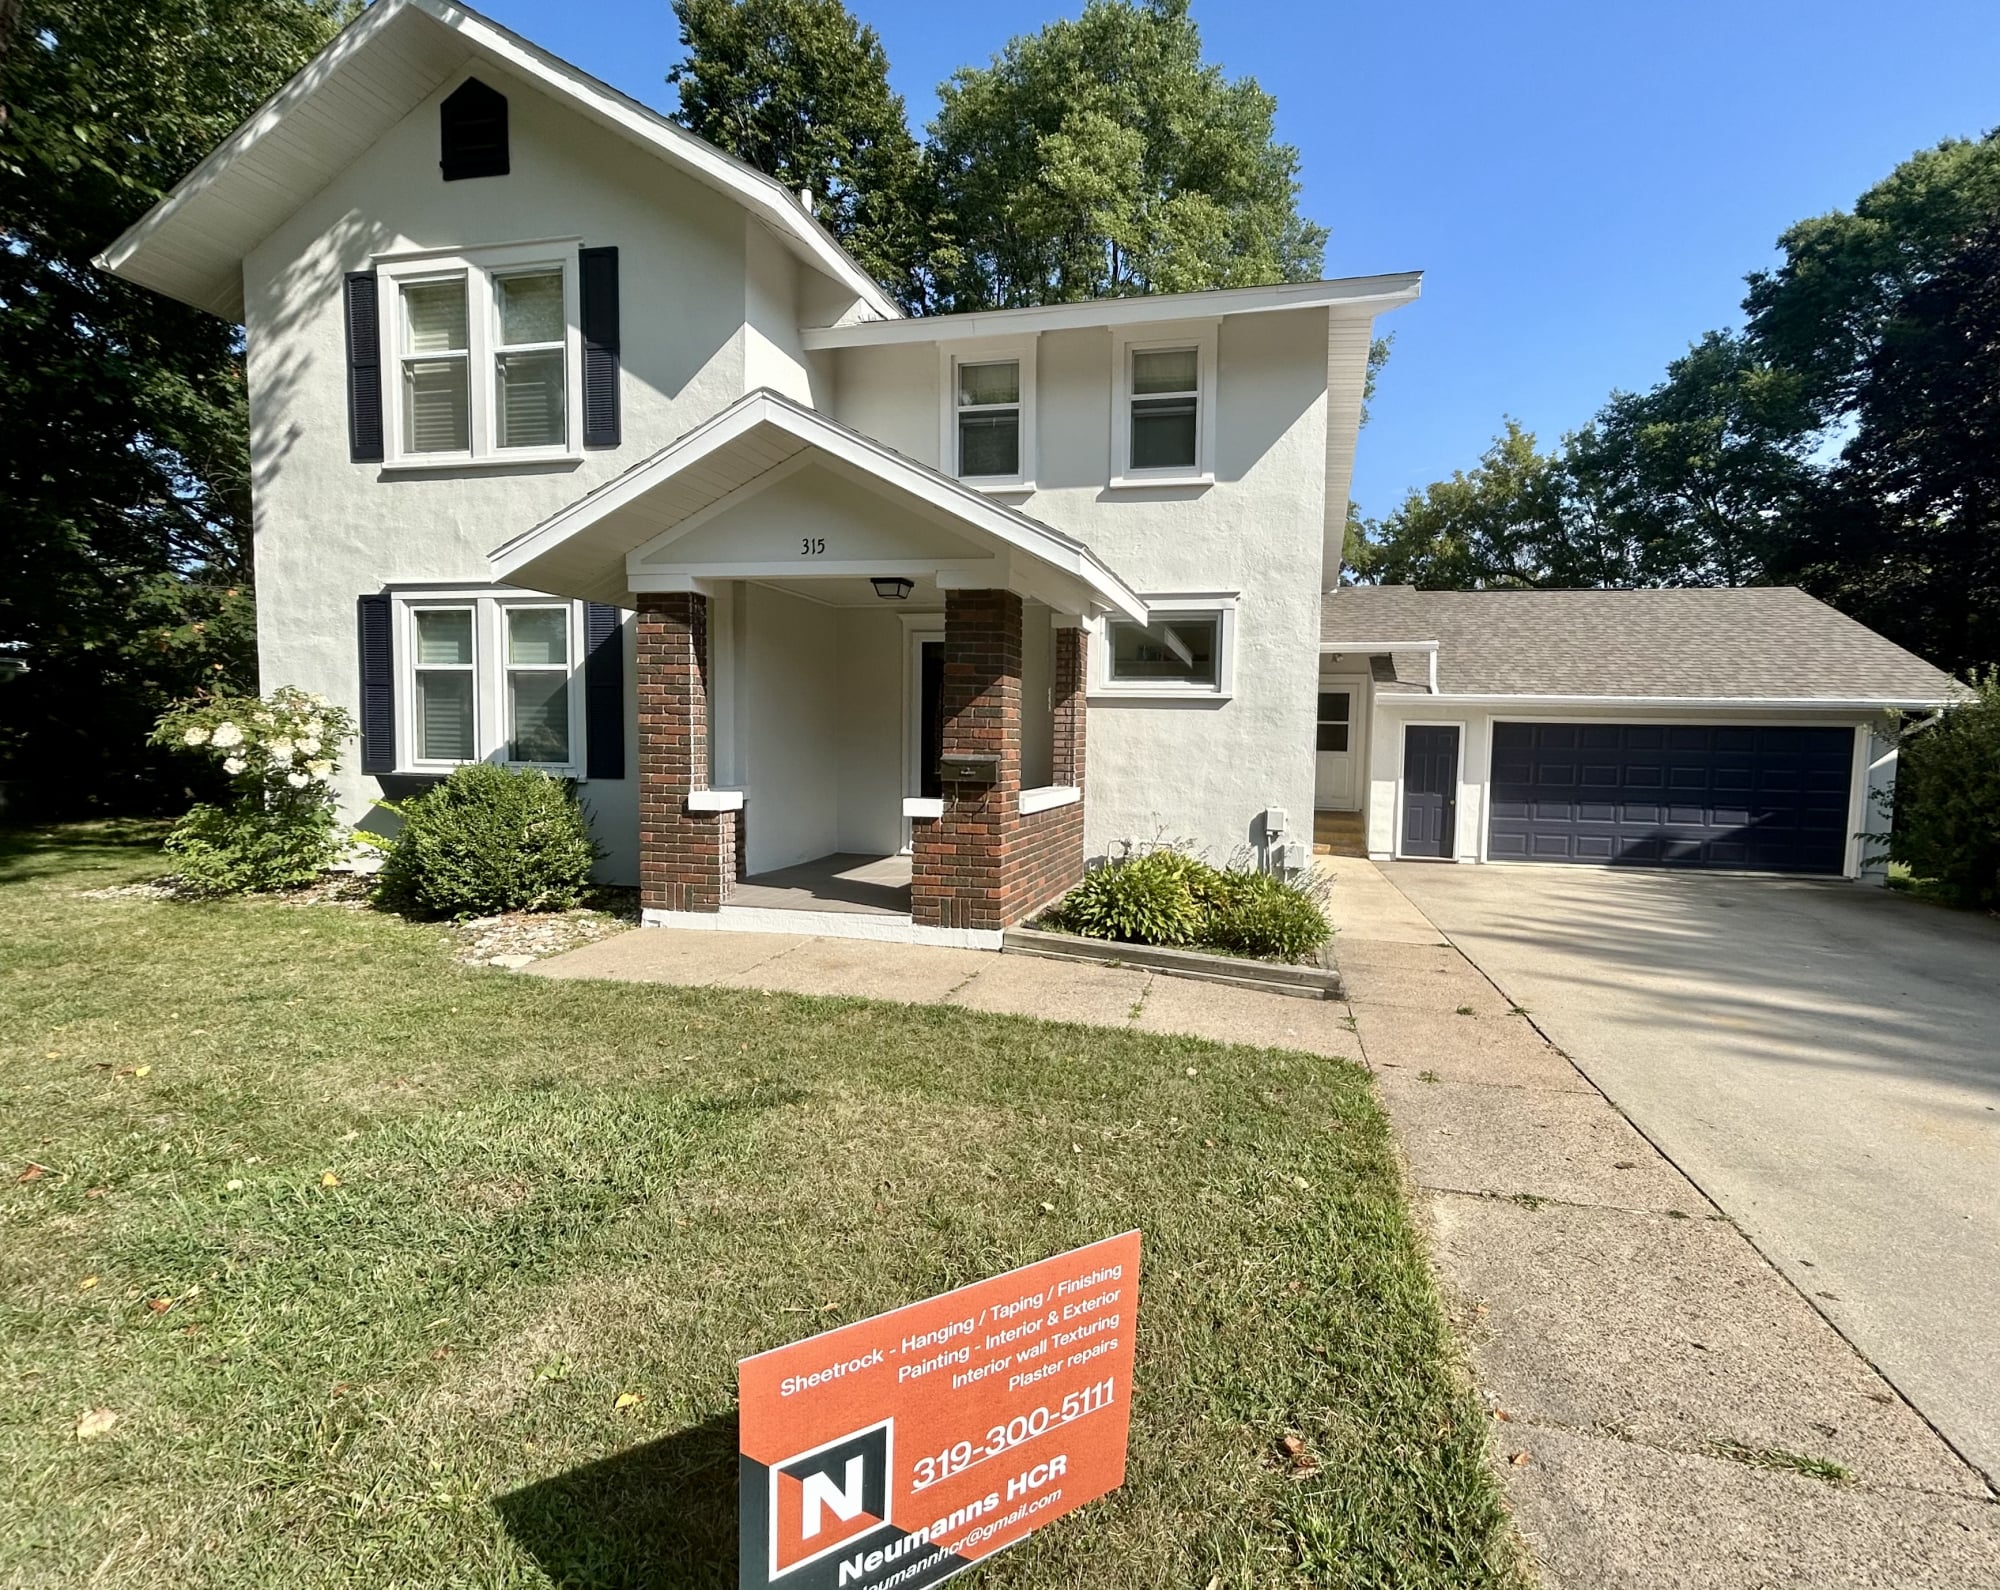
(1148, 898)
(486, 840)
(245, 847)
(1253, 913)
(278, 830)
(1947, 820)
(1166, 896)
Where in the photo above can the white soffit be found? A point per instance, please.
(191, 245)
(1362, 295)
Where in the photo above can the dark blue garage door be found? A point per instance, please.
(1769, 800)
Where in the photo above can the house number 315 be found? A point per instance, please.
(812, 546)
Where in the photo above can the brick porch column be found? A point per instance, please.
(1069, 682)
(957, 860)
(983, 864)
(687, 860)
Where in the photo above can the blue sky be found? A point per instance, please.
(1584, 184)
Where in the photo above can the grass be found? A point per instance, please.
(377, 1246)
(1778, 1459)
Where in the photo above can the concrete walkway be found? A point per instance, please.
(1658, 1389)
(1654, 1383)
(1020, 985)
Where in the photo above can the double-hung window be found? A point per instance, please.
(989, 421)
(1184, 649)
(446, 693)
(486, 352)
(538, 683)
(489, 676)
(1164, 411)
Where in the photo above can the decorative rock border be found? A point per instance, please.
(1269, 977)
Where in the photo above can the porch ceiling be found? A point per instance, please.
(623, 537)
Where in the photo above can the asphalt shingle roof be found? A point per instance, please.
(1770, 643)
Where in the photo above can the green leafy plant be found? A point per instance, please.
(278, 830)
(1947, 823)
(1254, 913)
(1166, 896)
(487, 840)
(1150, 897)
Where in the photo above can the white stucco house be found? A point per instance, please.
(579, 445)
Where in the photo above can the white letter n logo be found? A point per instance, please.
(824, 1500)
(820, 1491)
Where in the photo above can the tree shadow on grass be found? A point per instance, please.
(662, 1516)
(65, 847)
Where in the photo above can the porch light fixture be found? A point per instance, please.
(892, 587)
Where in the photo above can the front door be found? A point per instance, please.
(930, 717)
(1333, 745)
(1430, 789)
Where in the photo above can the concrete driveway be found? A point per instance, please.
(1822, 1059)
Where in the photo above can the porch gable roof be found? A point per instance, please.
(583, 550)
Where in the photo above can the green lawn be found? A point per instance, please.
(378, 1243)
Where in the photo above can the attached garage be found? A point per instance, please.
(1767, 799)
(1750, 730)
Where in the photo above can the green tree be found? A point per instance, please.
(125, 575)
(1103, 157)
(1699, 478)
(1498, 524)
(800, 90)
(1906, 533)
(1822, 312)
(1947, 822)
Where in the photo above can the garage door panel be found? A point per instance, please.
(1683, 795)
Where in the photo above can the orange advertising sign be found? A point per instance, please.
(896, 1452)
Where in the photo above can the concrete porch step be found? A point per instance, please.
(1339, 834)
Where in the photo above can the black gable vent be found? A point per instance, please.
(472, 132)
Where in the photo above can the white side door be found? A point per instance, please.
(1334, 757)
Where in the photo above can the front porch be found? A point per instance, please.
(860, 684)
(860, 885)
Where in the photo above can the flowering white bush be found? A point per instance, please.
(280, 752)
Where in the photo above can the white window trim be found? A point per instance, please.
(479, 266)
(987, 351)
(1220, 605)
(490, 729)
(1198, 335)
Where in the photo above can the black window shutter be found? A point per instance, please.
(472, 132)
(364, 369)
(598, 309)
(378, 687)
(603, 690)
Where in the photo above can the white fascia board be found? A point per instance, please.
(762, 195)
(353, 38)
(1718, 703)
(1350, 647)
(1363, 295)
(763, 407)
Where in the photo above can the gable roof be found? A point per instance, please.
(1754, 645)
(191, 244)
(581, 549)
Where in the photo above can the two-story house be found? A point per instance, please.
(579, 445)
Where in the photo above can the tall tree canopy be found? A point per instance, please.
(1103, 157)
(1847, 440)
(1095, 158)
(800, 90)
(124, 484)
